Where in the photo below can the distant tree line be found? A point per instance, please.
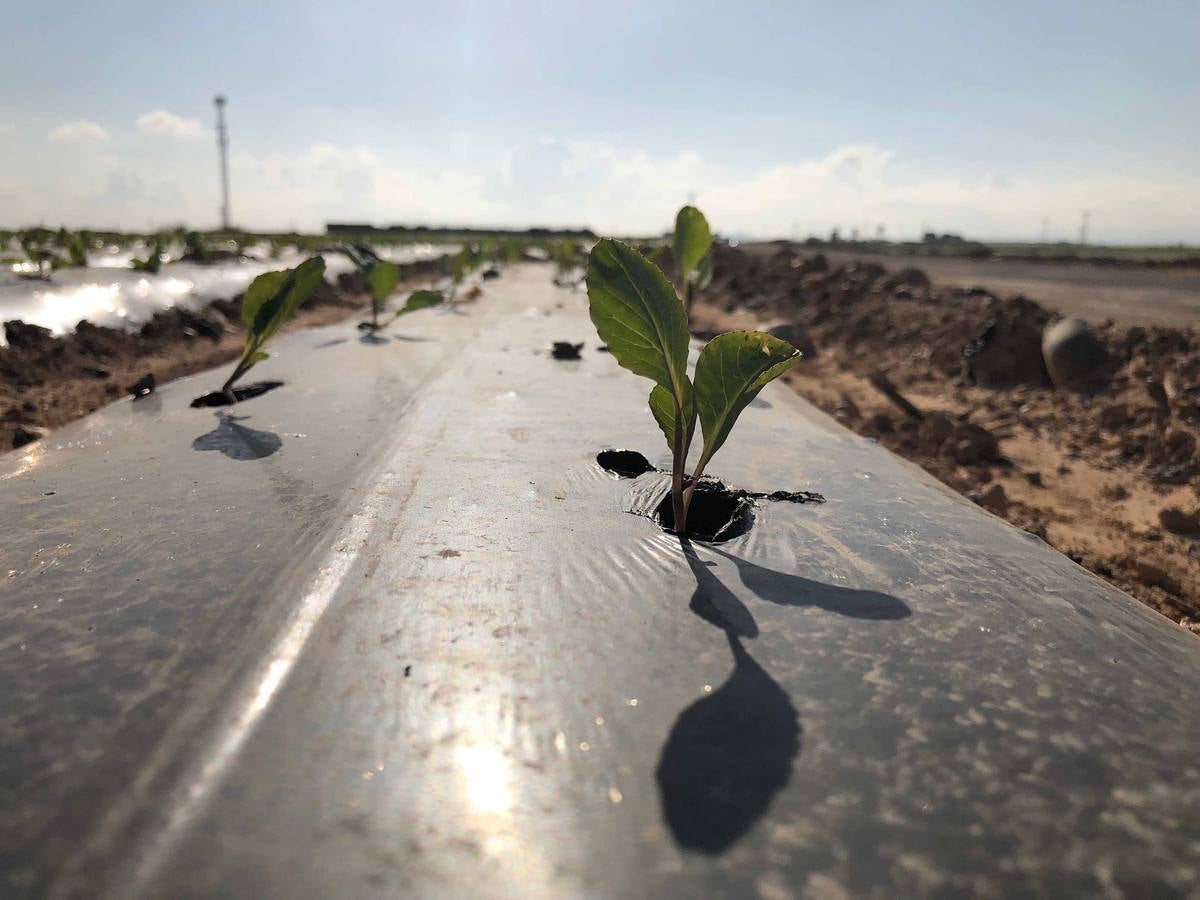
(359, 228)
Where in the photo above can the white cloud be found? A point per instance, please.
(166, 124)
(613, 189)
(78, 132)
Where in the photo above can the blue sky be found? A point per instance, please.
(776, 117)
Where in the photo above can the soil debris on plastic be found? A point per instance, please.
(624, 463)
(566, 350)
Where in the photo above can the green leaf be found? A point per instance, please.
(259, 356)
(638, 315)
(703, 275)
(692, 242)
(420, 300)
(383, 278)
(663, 407)
(732, 369)
(261, 290)
(273, 296)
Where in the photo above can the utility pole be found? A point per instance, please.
(1045, 230)
(223, 147)
(1083, 226)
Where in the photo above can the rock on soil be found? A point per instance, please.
(1074, 356)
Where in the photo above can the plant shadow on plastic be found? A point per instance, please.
(729, 753)
(238, 442)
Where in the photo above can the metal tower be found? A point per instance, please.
(223, 146)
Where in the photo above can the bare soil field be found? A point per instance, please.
(954, 380)
(1126, 295)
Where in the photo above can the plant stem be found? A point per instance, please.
(227, 387)
(687, 295)
(678, 504)
(238, 371)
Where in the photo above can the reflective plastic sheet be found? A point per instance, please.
(479, 674)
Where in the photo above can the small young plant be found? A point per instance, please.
(639, 316)
(462, 264)
(383, 278)
(270, 300)
(691, 247)
(41, 256)
(565, 254)
(195, 247)
(153, 261)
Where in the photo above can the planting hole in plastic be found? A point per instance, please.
(624, 463)
(716, 514)
(245, 392)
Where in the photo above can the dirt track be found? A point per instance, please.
(1128, 296)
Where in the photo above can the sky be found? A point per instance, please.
(997, 121)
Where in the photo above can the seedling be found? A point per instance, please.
(45, 259)
(270, 300)
(565, 254)
(692, 248)
(382, 278)
(195, 247)
(639, 316)
(461, 265)
(153, 261)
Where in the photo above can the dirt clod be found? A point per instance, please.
(974, 444)
(991, 498)
(22, 436)
(566, 350)
(1176, 521)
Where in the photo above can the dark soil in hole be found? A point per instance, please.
(245, 392)
(716, 513)
(143, 387)
(566, 350)
(626, 463)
